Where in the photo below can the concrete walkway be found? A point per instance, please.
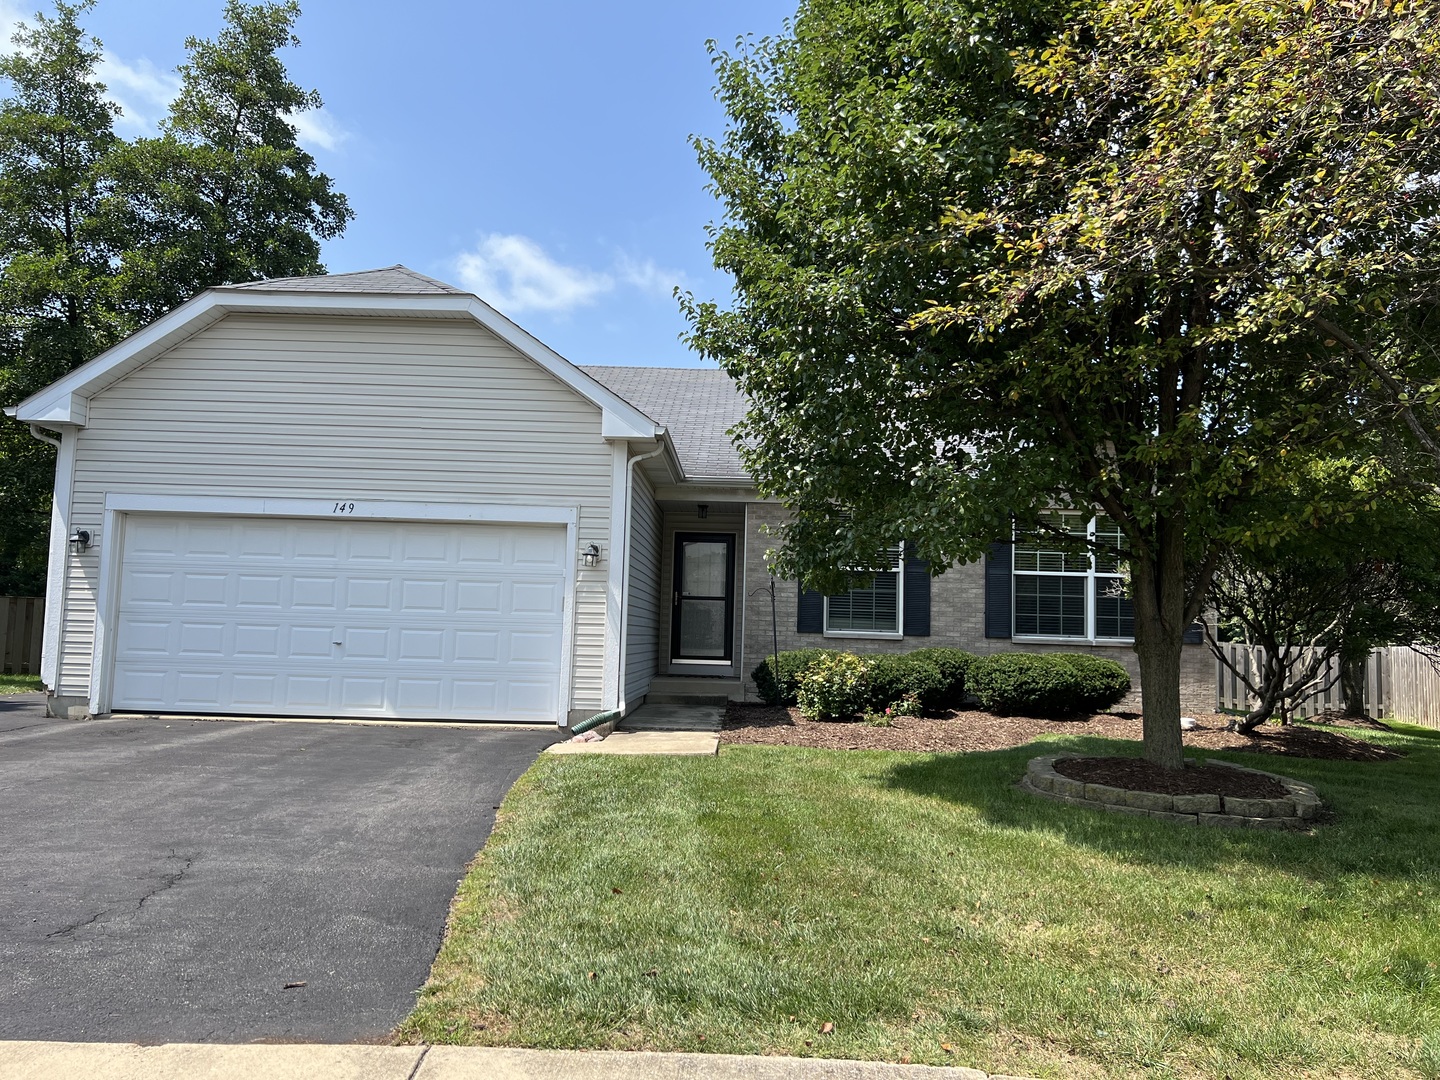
(670, 743)
(181, 1061)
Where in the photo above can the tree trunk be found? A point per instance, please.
(1160, 696)
(1352, 681)
(1158, 590)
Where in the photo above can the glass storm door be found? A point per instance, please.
(704, 600)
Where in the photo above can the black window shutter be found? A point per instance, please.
(1194, 634)
(997, 589)
(810, 612)
(915, 620)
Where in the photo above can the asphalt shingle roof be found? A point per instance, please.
(390, 279)
(697, 405)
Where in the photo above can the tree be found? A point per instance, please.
(1369, 580)
(992, 259)
(57, 244)
(99, 236)
(226, 193)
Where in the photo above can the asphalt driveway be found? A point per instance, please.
(167, 880)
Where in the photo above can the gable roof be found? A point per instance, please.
(697, 405)
(391, 280)
(395, 292)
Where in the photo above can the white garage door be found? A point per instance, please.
(340, 618)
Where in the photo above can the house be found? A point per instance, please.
(371, 494)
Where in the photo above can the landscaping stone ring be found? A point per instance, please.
(1289, 804)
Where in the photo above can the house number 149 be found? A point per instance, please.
(344, 508)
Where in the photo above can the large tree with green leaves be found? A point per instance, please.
(57, 249)
(99, 236)
(994, 258)
(226, 193)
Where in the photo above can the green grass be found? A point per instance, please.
(19, 684)
(919, 902)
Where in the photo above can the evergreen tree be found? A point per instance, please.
(57, 246)
(226, 193)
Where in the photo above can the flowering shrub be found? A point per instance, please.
(832, 687)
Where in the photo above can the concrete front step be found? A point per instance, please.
(655, 716)
(693, 686)
(718, 700)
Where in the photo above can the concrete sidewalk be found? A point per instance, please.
(195, 1061)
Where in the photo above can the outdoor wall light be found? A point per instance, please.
(79, 541)
(704, 510)
(590, 556)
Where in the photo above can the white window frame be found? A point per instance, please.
(1091, 576)
(881, 635)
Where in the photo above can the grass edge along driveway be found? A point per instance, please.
(932, 913)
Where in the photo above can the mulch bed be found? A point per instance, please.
(1136, 774)
(969, 730)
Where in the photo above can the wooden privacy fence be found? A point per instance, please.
(22, 626)
(1400, 684)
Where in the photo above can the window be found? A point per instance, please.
(872, 611)
(1071, 585)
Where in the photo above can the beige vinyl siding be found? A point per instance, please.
(642, 632)
(357, 408)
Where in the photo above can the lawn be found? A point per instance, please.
(932, 913)
(19, 684)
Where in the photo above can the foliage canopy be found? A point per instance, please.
(99, 236)
(993, 258)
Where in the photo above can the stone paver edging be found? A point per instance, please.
(1297, 810)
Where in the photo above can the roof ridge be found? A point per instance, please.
(341, 282)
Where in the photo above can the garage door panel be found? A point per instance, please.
(536, 598)
(204, 639)
(532, 647)
(477, 646)
(473, 634)
(423, 595)
(479, 598)
(253, 690)
(362, 693)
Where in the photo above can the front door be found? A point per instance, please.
(702, 613)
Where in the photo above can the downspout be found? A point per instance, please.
(625, 572)
(37, 433)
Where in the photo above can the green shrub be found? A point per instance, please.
(1047, 684)
(1103, 682)
(833, 687)
(954, 665)
(792, 663)
(893, 678)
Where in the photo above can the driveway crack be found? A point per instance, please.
(167, 881)
(75, 926)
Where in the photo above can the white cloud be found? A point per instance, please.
(648, 277)
(514, 274)
(319, 130)
(141, 89)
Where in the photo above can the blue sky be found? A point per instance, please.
(534, 152)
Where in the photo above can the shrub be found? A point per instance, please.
(894, 678)
(1103, 682)
(832, 687)
(954, 665)
(1047, 684)
(792, 663)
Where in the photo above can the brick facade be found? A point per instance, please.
(957, 614)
